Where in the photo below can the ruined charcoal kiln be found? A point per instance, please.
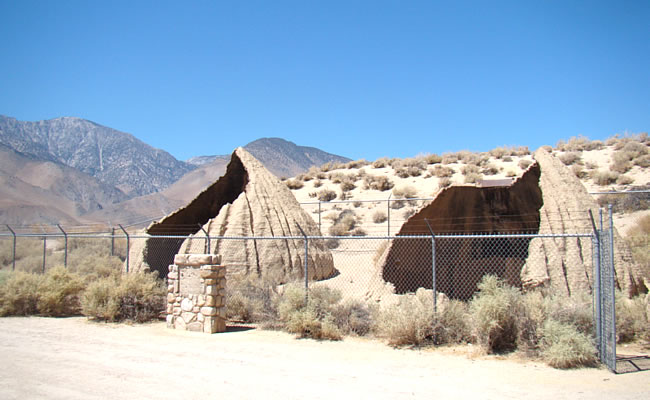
(247, 201)
(548, 198)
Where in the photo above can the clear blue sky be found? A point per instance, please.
(363, 79)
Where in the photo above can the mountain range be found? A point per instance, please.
(70, 170)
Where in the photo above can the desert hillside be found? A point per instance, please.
(617, 164)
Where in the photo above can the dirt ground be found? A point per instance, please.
(72, 358)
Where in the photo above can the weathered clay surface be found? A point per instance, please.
(548, 199)
(247, 201)
(462, 262)
(565, 264)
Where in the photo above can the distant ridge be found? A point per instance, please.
(113, 157)
(282, 157)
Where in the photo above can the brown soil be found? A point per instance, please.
(72, 358)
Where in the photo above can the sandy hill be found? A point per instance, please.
(618, 164)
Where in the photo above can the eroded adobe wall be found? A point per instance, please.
(461, 263)
(159, 253)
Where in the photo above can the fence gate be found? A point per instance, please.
(605, 307)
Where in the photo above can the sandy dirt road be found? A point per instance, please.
(72, 358)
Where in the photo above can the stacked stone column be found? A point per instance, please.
(196, 293)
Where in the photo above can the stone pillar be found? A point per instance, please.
(196, 293)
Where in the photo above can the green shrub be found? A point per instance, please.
(563, 346)
(494, 311)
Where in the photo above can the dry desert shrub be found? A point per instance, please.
(326, 195)
(632, 319)
(624, 180)
(432, 159)
(604, 178)
(377, 182)
(137, 297)
(347, 184)
(642, 161)
(379, 216)
(570, 158)
(357, 164)
(405, 192)
(344, 223)
(578, 171)
(579, 143)
(639, 240)
(294, 184)
(19, 294)
(563, 346)
(627, 201)
(409, 322)
(473, 178)
(591, 165)
(499, 152)
(449, 158)
(55, 293)
(252, 299)
(352, 317)
(444, 182)
(408, 213)
(59, 291)
(318, 183)
(510, 173)
(442, 171)
(494, 311)
(469, 169)
(524, 164)
(312, 317)
(490, 169)
(381, 163)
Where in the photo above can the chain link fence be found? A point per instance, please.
(366, 268)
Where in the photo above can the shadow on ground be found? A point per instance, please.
(627, 364)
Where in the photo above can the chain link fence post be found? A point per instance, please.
(65, 251)
(306, 262)
(127, 247)
(13, 253)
